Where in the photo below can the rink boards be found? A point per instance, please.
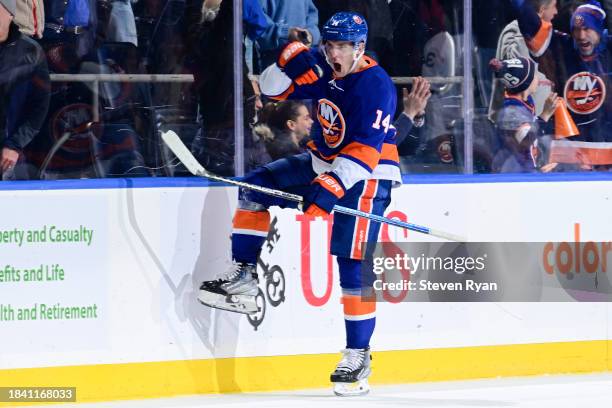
(98, 282)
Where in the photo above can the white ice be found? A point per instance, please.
(559, 391)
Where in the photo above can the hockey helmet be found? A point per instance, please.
(345, 26)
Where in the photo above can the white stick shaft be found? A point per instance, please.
(184, 155)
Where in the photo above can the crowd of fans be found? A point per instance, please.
(85, 129)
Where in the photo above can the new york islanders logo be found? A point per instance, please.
(584, 93)
(332, 123)
(578, 21)
(73, 119)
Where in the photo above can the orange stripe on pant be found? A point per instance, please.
(251, 222)
(356, 308)
(366, 203)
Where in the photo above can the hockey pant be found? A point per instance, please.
(349, 234)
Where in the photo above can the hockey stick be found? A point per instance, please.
(184, 155)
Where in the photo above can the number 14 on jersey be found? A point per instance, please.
(386, 122)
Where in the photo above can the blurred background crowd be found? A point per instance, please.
(87, 86)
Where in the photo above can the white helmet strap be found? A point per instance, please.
(357, 54)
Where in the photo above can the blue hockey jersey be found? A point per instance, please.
(353, 135)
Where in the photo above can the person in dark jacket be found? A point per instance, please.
(584, 63)
(70, 29)
(208, 38)
(295, 20)
(24, 92)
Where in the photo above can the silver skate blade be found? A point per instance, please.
(354, 389)
(245, 304)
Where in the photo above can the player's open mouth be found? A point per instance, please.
(584, 45)
(337, 67)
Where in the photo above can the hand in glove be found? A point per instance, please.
(325, 191)
(299, 64)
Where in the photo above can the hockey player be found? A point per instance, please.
(582, 67)
(518, 126)
(352, 161)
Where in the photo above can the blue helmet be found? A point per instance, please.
(346, 26)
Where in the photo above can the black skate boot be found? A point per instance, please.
(235, 290)
(351, 375)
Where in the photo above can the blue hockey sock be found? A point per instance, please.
(250, 229)
(359, 312)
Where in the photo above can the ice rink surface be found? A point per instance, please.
(569, 391)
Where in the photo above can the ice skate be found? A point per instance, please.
(351, 375)
(235, 290)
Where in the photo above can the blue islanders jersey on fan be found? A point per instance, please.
(584, 80)
(353, 135)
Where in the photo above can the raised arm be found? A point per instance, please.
(536, 31)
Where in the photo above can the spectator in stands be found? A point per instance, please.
(584, 61)
(209, 38)
(583, 69)
(423, 45)
(607, 6)
(583, 66)
(295, 20)
(512, 44)
(121, 24)
(488, 19)
(24, 92)
(70, 32)
(412, 115)
(30, 17)
(565, 9)
(518, 125)
(284, 127)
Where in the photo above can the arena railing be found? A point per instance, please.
(95, 79)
